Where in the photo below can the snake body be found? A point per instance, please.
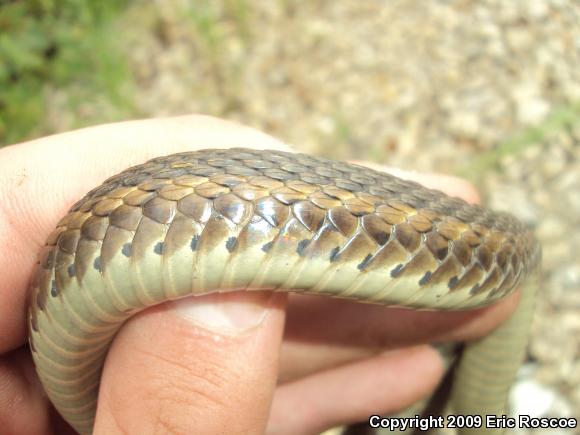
(203, 221)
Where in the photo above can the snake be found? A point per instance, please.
(214, 220)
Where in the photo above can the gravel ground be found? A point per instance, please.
(487, 89)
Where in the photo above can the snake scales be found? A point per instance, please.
(197, 222)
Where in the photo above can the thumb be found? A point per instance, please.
(205, 364)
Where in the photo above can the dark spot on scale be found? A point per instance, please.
(365, 262)
(194, 242)
(231, 244)
(397, 271)
(266, 247)
(425, 278)
(382, 238)
(53, 289)
(158, 249)
(97, 264)
(474, 289)
(441, 253)
(452, 282)
(334, 254)
(302, 245)
(72, 270)
(127, 251)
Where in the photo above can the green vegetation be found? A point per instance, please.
(559, 120)
(210, 19)
(63, 47)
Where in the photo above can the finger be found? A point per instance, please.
(322, 333)
(318, 337)
(353, 392)
(23, 407)
(41, 179)
(195, 366)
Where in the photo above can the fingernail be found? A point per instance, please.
(225, 313)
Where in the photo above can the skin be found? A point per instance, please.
(292, 364)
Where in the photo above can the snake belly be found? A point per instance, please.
(198, 222)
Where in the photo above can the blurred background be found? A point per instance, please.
(488, 90)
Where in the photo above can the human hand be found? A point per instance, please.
(209, 364)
